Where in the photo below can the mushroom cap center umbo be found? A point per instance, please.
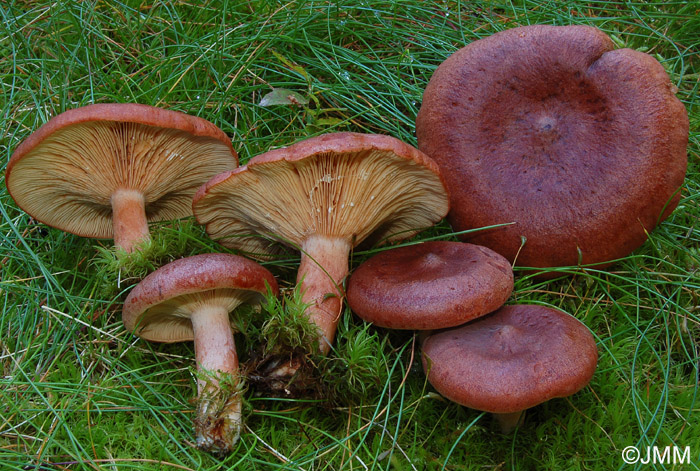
(505, 339)
(547, 128)
(432, 260)
(544, 121)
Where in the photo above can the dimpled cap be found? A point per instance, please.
(513, 359)
(65, 173)
(159, 307)
(581, 146)
(432, 285)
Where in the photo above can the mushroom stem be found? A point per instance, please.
(218, 421)
(510, 421)
(129, 219)
(324, 265)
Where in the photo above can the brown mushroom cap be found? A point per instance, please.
(432, 285)
(159, 307)
(511, 360)
(583, 147)
(348, 186)
(66, 172)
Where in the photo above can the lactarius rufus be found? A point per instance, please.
(323, 196)
(431, 285)
(192, 299)
(580, 145)
(107, 170)
(511, 360)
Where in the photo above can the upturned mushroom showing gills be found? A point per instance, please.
(432, 285)
(581, 146)
(511, 360)
(191, 299)
(323, 196)
(106, 170)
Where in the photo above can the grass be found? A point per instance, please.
(79, 392)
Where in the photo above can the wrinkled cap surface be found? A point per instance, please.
(513, 359)
(583, 147)
(65, 173)
(160, 306)
(346, 185)
(432, 285)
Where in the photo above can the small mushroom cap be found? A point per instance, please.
(581, 146)
(433, 285)
(348, 186)
(160, 306)
(513, 359)
(65, 173)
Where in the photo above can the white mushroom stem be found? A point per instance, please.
(129, 219)
(323, 267)
(218, 421)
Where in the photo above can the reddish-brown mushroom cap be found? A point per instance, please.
(86, 163)
(433, 285)
(511, 360)
(160, 306)
(581, 146)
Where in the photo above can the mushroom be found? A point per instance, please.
(190, 299)
(583, 147)
(511, 360)
(432, 285)
(323, 196)
(106, 170)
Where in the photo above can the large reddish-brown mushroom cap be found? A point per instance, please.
(160, 306)
(348, 186)
(66, 172)
(581, 146)
(433, 285)
(511, 360)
